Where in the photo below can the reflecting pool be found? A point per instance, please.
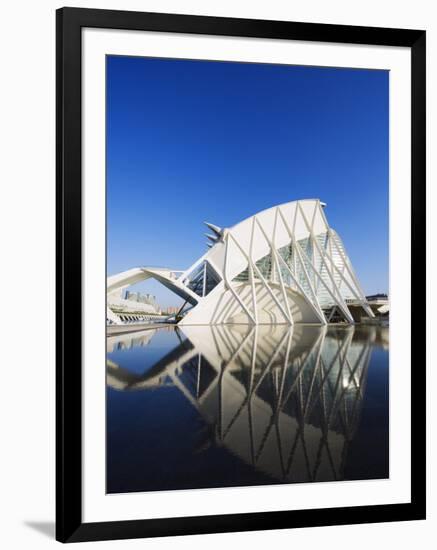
(233, 405)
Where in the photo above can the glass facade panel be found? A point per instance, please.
(203, 279)
(309, 267)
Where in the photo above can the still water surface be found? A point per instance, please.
(220, 406)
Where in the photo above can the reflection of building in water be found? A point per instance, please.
(119, 342)
(286, 400)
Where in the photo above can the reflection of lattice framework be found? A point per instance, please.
(310, 397)
(285, 400)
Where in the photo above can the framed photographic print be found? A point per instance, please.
(269, 373)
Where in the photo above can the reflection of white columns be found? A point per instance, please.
(284, 399)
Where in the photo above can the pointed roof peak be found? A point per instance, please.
(212, 238)
(215, 228)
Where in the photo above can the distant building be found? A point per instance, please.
(141, 298)
(171, 310)
(134, 306)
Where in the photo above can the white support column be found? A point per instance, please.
(297, 251)
(275, 255)
(204, 279)
(260, 275)
(351, 272)
(251, 274)
(229, 284)
(339, 299)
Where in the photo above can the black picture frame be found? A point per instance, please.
(69, 525)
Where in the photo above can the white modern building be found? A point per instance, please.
(284, 265)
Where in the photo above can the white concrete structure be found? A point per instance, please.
(283, 265)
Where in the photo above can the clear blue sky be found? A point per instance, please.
(194, 141)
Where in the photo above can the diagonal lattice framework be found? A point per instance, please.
(284, 265)
(286, 400)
